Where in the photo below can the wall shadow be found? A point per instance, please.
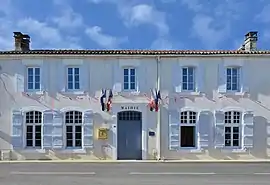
(261, 127)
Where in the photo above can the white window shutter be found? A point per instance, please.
(118, 74)
(141, 78)
(44, 75)
(84, 77)
(199, 76)
(177, 78)
(243, 79)
(174, 131)
(62, 77)
(88, 129)
(47, 129)
(17, 129)
(222, 75)
(219, 129)
(20, 83)
(204, 129)
(57, 133)
(248, 127)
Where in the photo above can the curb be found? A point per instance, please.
(137, 161)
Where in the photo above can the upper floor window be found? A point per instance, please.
(233, 79)
(33, 122)
(188, 78)
(129, 79)
(232, 128)
(73, 121)
(33, 78)
(73, 78)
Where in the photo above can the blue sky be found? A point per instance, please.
(135, 24)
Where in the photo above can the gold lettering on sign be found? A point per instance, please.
(130, 107)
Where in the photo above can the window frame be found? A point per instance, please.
(188, 124)
(73, 78)
(73, 130)
(34, 124)
(34, 78)
(238, 83)
(187, 82)
(129, 78)
(231, 126)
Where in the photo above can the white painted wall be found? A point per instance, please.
(101, 72)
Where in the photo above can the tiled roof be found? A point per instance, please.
(133, 52)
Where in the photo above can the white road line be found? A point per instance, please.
(169, 173)
(52, 173)
(266, 173)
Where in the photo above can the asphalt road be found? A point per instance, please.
(134, 173)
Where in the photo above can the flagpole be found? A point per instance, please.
(158, 138)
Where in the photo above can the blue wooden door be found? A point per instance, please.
(129, 135)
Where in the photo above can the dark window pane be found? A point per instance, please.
(227, 136)
(236, 142)
(69, 128)
(69, 143)
(29, 135)
(125, 71)
(29, 128)
(184, 71)
(29, 142)
(235, 129)
(69, 135)
(38, 142)
(78, 143)
(78, 129)
(38, 128)
(227, 142)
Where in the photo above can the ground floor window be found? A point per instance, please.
(232, 128)
(187, 136)
(74, 135)
(33, 135)
(188, 122)
(33, 121)
(232, 136)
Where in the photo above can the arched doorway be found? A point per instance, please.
(129, 135)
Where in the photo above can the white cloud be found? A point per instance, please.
(146, 14)
(136, 13)
(104, 40)
(203, 29)
(47, 35)
(68, 19)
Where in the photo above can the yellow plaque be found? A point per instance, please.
(103, 133)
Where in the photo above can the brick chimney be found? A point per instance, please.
(22, 41)
(251, 39)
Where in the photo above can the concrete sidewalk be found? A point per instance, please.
(138, 161)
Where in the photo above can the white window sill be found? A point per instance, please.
(233, 93)
(183, 93)
(72, 151)
(30, 93)
(68, 92)
(190, 150)
(130, 92)
(233, 150)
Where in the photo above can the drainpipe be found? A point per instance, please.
(158, 135)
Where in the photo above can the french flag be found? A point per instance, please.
(152, 101)
(109, 102)
(102, 99)
(157, 98)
